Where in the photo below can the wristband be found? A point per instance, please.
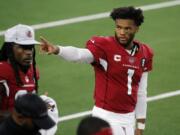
(140, 125)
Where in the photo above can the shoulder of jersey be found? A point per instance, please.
(4, 65)
(100, 39)
(145, 48)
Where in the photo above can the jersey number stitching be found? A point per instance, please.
(129, 81)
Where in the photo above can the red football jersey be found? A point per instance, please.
(117, 73)
(7, 77)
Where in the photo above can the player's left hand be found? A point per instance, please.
(138, 132)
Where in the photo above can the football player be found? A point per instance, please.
(18, 72)
(121, 66)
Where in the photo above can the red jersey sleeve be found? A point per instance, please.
(4, 71)
(148, 62)
(95, 45)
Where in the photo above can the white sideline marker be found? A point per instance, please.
(98, 16)
(150, 99)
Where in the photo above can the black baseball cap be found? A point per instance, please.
(31, 105)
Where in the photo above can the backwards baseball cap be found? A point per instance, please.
(31, 105)
(21, 34)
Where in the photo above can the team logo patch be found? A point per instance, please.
(26, 79)
(117, 57)
(131, 60)
(29, 34)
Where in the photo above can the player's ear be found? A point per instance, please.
(19, 118)
(137, 29)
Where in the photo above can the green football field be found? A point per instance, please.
(71, 84)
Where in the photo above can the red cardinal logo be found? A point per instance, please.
(29, 34)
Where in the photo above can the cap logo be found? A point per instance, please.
(29, 34)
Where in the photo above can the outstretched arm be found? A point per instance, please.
(48, 47)
(69, 53)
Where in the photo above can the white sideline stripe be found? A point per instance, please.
(150, 99)
(74, 116)
(98, 16)
(164, 95)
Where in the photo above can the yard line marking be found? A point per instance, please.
(149, 99)
(98, 16)
(74, 116)
(164, 95)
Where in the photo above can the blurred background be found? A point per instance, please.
(71, 85)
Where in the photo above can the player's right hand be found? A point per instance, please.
(47, 47)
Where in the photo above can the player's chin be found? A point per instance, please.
(26, 62)
(123, 42)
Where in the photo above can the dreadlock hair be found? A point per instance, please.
(128, 13)
(34, 70)
(7, 53)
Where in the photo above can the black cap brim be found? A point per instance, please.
(44, 122)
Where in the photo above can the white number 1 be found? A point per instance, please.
(130, 75)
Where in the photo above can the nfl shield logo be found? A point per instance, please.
(131, 60)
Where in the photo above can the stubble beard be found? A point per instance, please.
(128, 43)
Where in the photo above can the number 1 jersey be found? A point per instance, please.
(118, 73)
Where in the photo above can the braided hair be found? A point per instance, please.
(7, 53)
